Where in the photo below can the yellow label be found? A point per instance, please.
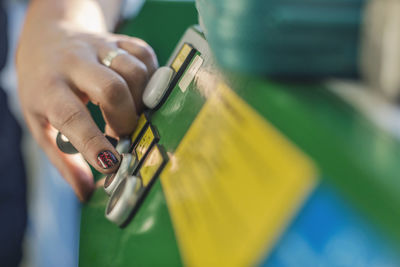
(181, 57)
(234, 184)
(144, 144)
(151, 164)
(141, 123)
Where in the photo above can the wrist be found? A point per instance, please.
(81, 15)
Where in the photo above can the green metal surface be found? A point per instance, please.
(149, 240)
(353, 155)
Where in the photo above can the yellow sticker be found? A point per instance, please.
(233, 184)
(181, 57)
(141, 123)
(145, 143)
(151, 165)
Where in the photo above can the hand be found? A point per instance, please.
(59, 71)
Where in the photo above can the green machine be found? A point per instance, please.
(250, 172)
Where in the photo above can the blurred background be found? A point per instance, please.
(52, 235)
(350, 48)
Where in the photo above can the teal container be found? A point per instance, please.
(284, 38)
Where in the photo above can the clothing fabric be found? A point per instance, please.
(13, 206)
(3, 35)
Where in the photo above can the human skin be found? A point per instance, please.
(59, 70)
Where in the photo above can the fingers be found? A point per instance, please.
(73, 168)
(68, 114)
(109, 87)
(110, 132)
(141, 50)
(135, 73)
(110, 91)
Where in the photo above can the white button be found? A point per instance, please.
(125, 169)
(123, 200)
(123, 146)
(157, 87)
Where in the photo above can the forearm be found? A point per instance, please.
(86, 15)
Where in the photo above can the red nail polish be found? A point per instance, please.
(106, 159)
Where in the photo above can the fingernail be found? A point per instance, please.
(106, 159)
